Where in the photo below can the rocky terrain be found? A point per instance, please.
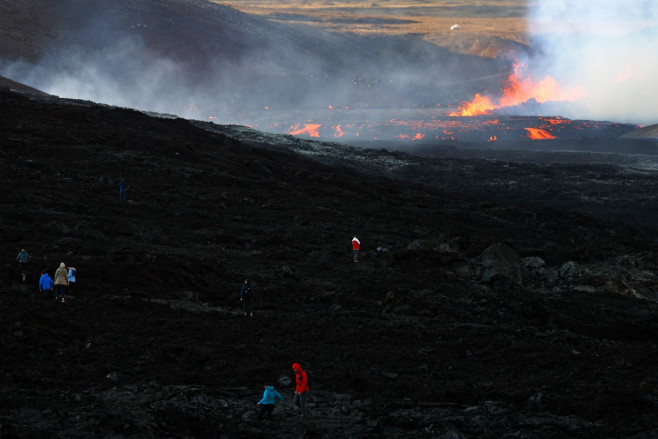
(503, 291)
(493, 299)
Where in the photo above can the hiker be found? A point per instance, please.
(301, 388)
(270, 397)
(247, 297)
(123, 195)
(70, 276)
(61, 282)
(22, 258)
(45, 282)
(355, 247)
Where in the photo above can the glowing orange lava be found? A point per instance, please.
(339, 132)
(539, 134)
(517, 89)
(310, 129)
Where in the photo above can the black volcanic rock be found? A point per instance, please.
(408, 343)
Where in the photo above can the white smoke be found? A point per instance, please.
(607, 47)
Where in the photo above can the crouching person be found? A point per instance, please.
(270, 397)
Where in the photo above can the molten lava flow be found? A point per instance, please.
(418, 136)
(558, 121)
(517, 89)
(310, 129)
(539, 134)
(492, 138)
(479, 105)
(339, 132)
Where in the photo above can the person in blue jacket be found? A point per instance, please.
(46, 284)
(123, 188)
(270, 397)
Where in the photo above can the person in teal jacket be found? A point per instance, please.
(270, 397)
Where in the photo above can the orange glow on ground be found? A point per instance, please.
(539, 134)
(310, 129)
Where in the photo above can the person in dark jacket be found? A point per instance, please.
(301, 389)
(270, 397)
(247, 297)
(46, 284)
(123, 190)
(22, 258)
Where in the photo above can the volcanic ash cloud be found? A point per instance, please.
(608, 48)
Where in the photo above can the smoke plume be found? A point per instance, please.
(609, 48)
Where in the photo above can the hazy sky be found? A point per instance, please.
(607, 47)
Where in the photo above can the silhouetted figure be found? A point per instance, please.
(123, 190)
(22, 258)
(247, 297)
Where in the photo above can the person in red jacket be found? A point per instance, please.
(301, 388)
(355, 247)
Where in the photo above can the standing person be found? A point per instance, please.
(70, 276)
(61, 282)
(45, 282)
(22, 258)
(270, 397)
(123, 190)
(356, 244)
(247, 297)
(301, 388)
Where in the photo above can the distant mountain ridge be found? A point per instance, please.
(648, 132)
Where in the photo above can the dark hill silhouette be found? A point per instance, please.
(464, 318)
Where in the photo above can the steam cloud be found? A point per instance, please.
(609, 48)
(114, 58)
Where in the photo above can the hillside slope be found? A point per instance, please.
(472, 319)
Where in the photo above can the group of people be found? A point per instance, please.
(271, 396)
(64, 280)
(60, 285)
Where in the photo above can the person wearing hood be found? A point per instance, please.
(61, 282)
(45, 282)
(356, 244)
(70, 276)
(270, 397)
(301, 388)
